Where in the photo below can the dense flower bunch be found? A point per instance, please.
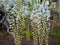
(39, 15)
(10, 7)
(13, 22)
(38, 9)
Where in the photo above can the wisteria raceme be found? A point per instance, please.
(39, 16)
(13, 20)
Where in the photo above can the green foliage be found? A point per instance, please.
(52, 10)
(23, 32)
(59, 17)
(31, 5)
(56, 28)
(28, 35)
(57, 32)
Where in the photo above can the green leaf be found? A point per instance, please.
(28, 35)
(31, 5)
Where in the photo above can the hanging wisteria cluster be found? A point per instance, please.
(39, 14)
(11, 16)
